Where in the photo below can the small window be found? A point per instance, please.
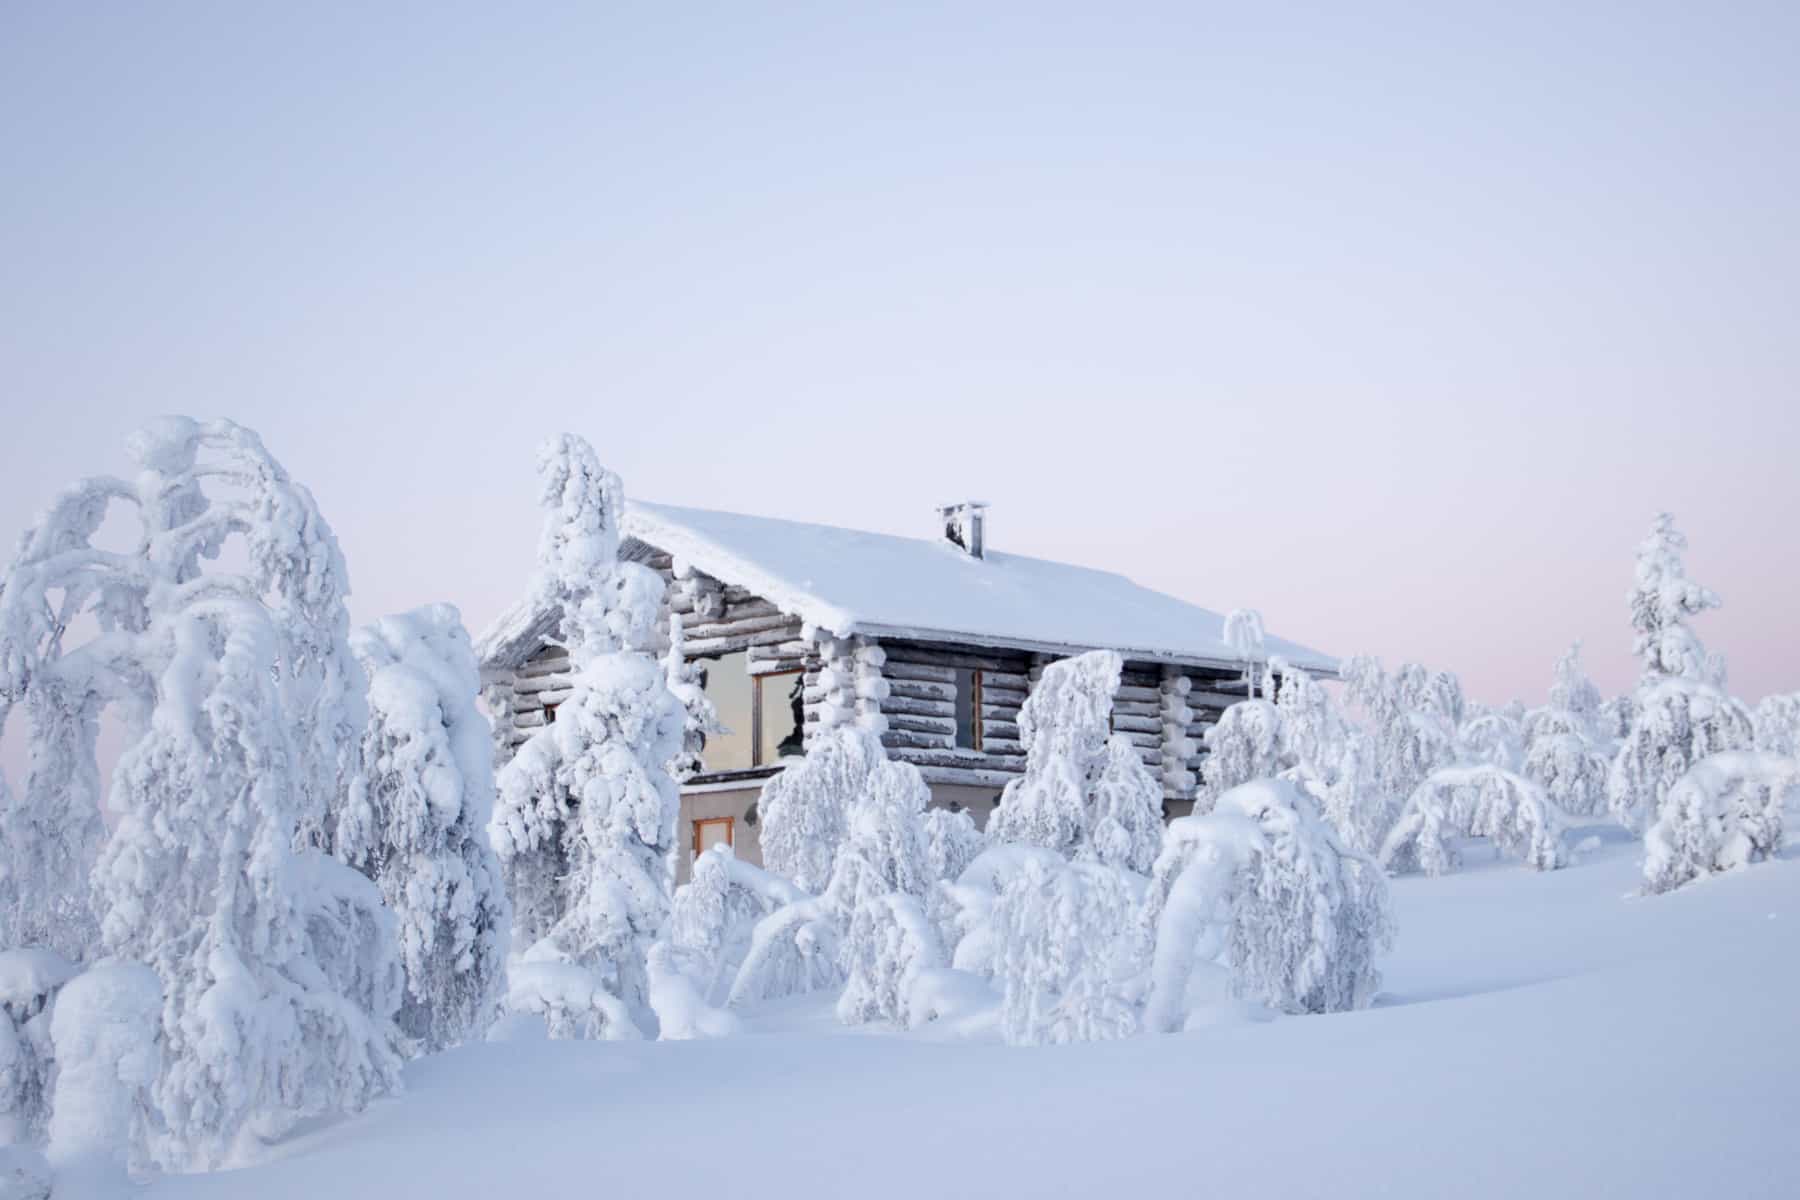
(710, 832)
(550, 713)
(968, 709)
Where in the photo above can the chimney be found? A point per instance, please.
(965, 526)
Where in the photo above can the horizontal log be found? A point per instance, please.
(749, 609)
(526, 686)
(556, 664)
(963, 776)
(936, 656)
(921, 708)
(1148, 695)
(709, 647)
(1128, 723)
(919, 671)
(728, 626)
(959, 758)
(902, 739)
(919, 689)
(939, 726)
(1011, 697)
(1011, 681)
(999, 745)
(999, 729)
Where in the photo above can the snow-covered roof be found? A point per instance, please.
(852, 582)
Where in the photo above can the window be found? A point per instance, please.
(968, 709)
(550, 713)
(710, 832)
(763, 714)
(780, 717)
(726, 681)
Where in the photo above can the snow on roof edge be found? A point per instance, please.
(651, 523)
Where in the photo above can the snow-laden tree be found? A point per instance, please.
(1492, 737)
(1244, 634)
(877, 888)
(279, 975)
(701, 718)
(1084, 792)
(107, 1059)
(30, 981)
(51, 833)
(847, 826)
(804, 811)
(1567, 746)
(1244, 744)
(1413, 718)
(1662, 599)
(585, 820)
(1777, 725)
(1064, 951)
(1330, 758)
(951, 842)
(1475, 801)
(1682, 712)
(1125, 817)
(712, 923)
(417, 822)
(1725, 813)
(1258, 900)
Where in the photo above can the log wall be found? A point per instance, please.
(903, 690)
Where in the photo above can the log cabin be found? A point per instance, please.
(933, 643)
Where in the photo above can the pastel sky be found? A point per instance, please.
(1396, 321)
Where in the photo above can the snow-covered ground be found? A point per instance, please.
(1539, 1035)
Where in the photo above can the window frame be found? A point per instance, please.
(700, 825)
(975, 717)
(756, 713)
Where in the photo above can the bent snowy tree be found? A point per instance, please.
(278, 972)
(417, 822)
(1724, 814)
(1259, 900)
(1477, 801)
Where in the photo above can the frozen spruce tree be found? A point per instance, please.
(1245, 744)
(1682, 711)
(1084, 793)
(1413, 717)
(1777, 725)
(278, 971)
(877, 888)
(1725, 813)
(1065, 952)
(417, 822)
(31, 980)
(1259, 901)
(951, 842)
(1567, 748)
(1330, 758)
(585, 820)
